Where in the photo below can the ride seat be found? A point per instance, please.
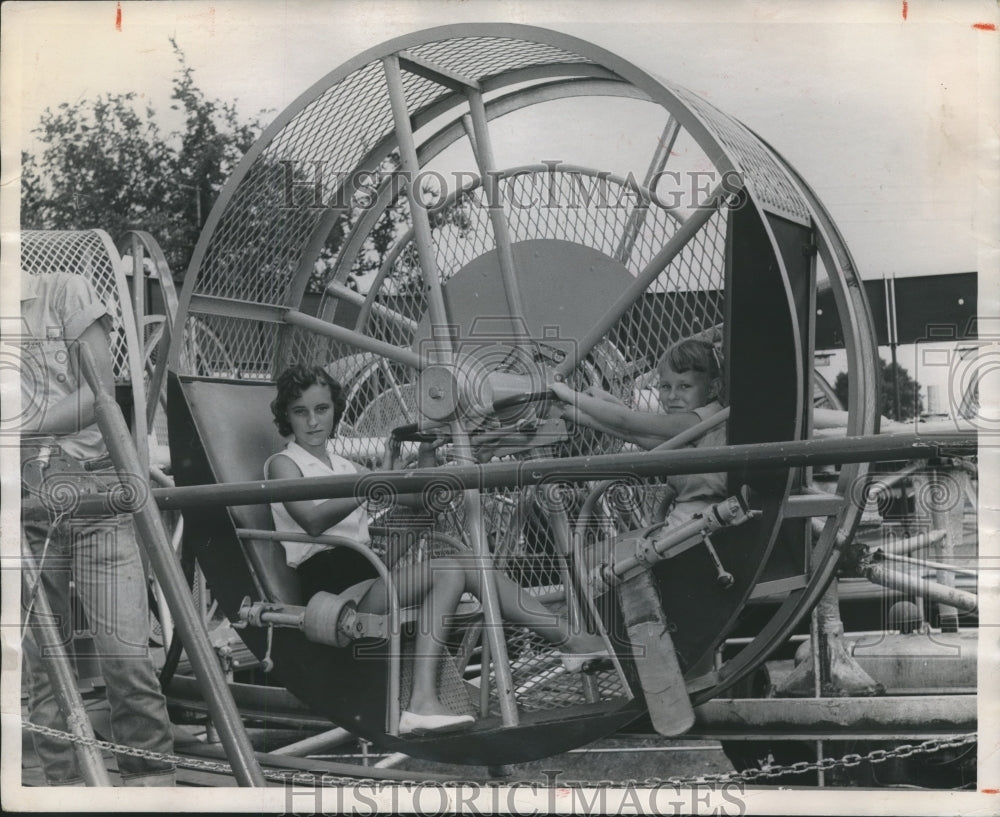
(233, 429)
(233, 421)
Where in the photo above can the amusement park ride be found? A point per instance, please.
(486, 296)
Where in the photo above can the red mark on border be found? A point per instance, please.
(985, 26)
(906, 9)
(990, 791)
(118, 16)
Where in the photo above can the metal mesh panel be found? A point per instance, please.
(480, 57)
(89, 253)
(687, 298)
(257, 245)
(768, 181)
(226, 347)
(541, 683)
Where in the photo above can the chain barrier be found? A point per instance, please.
(827, 763)
(747, 775)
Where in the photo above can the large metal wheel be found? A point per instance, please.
(541, 270)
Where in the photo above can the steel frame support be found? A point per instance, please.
(659, 262)
(445, 354)
(657, 163)
(571, 469)
(482, 148)
(356, 339)
(52, 651)
(156, 544)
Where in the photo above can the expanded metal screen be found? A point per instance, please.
(287, 216)
(270, 218)
(685, 299)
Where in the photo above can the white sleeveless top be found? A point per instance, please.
(353, 527)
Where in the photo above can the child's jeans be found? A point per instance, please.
(101, 557)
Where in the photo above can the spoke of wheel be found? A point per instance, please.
(678, 241)
(356, 339)
(343, 293)
(396, 391)
(479, 138)
(637, 217)
(443, 352)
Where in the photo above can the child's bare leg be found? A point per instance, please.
(437, 585)
(520, 607)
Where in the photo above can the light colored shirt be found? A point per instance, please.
(695, 492)
(354, 526)
(56, 308)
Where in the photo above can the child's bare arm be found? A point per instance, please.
(313, 518)
(641, 427)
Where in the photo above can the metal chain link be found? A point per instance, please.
(747, 775)
(178, 760)
(826, 763)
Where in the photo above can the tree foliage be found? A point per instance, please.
(911, 404)
(106, 163)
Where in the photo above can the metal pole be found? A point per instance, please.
(940, 593)
(342, 293)
(140, 408)
(315, 744)
(356, 339)
(482, 149)
(678, 241)
(637, 217)
(950, 520)
(155, 542)
(747, 457)
(52, 651)
(893, 342)
(444, 351)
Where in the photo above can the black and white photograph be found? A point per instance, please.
(466, 407)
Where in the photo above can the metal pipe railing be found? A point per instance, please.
(52, 651)
(154, 540)
(746, 457)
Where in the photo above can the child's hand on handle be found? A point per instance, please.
(427, 452)
(568, 397)
(562, 391)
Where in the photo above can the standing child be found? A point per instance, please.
(690, 389)
(61, 312)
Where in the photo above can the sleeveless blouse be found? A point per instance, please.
(354, 526)
(695, 492)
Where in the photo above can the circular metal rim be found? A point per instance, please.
(629, 73)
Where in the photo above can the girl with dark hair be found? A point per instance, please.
(308, 406)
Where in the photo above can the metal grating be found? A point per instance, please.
(90, 253)
(256, 247)
(766, 178)
(481, 57)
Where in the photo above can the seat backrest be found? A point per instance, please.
(234, 425)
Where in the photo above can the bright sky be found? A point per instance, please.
(889, 110)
